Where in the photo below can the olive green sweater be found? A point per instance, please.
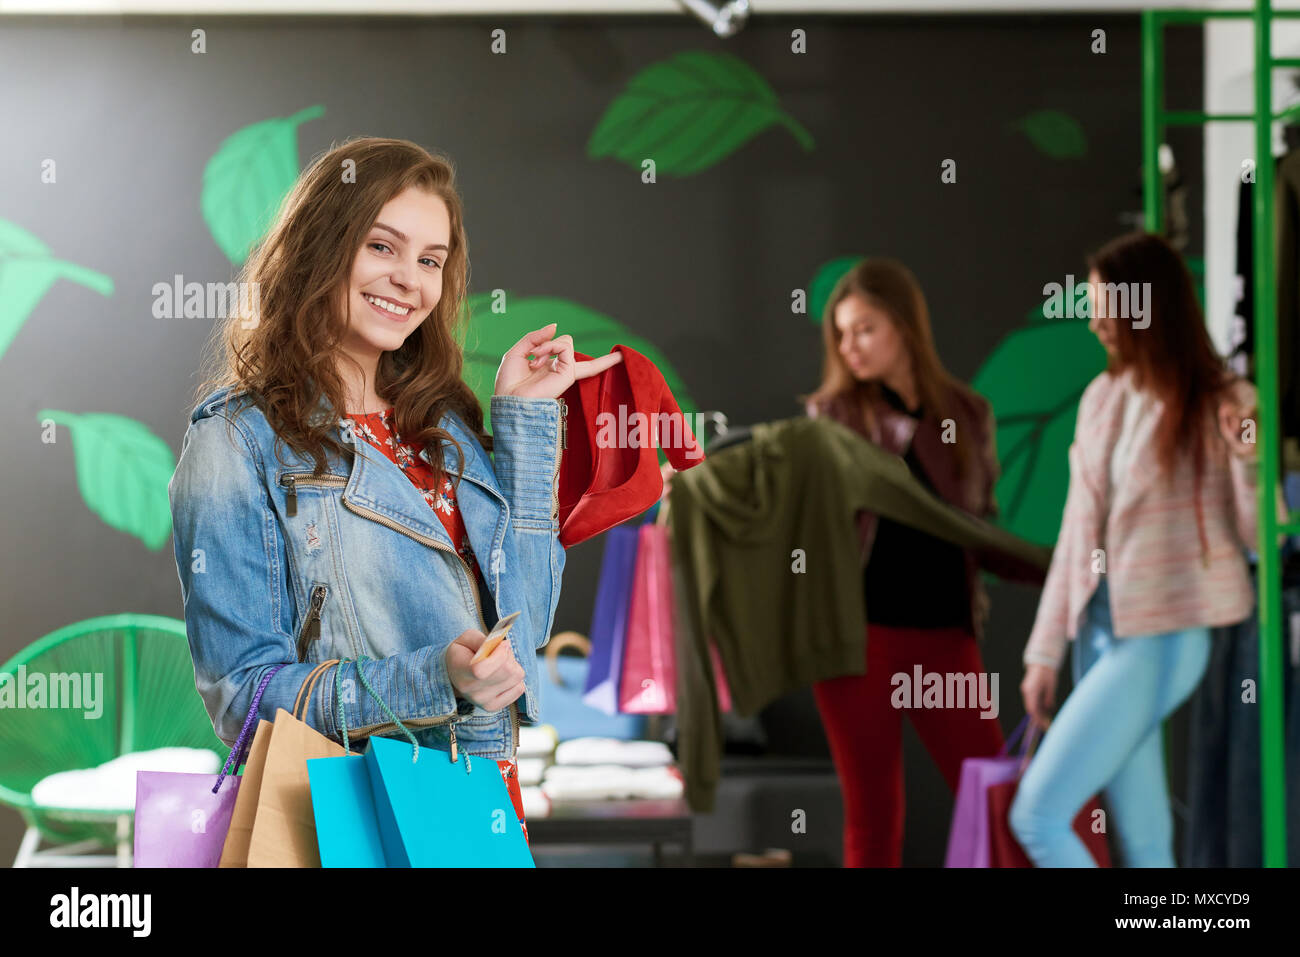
(767, 563)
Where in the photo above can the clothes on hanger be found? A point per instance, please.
(1287, 215)
(765, 542)
(1241, 357)
(1223, 748)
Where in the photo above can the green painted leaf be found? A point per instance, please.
(688, 113)
(1034, 379)
(27, 271)
(491, 335)
(123, 471)
(1054, 134)
(248, 177)
(823, 284)
(1038, 313)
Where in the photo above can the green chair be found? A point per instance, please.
(149, 701)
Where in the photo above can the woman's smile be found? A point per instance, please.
(398, 312)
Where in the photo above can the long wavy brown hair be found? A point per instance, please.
(1172, 357)
(286, 360)
(891, 287)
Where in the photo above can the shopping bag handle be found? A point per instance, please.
(1027, 746)
(309, 686)
(240, 751)
(565, 639)
(343, 723)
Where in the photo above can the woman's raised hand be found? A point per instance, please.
(1236, 413)
(543, 377)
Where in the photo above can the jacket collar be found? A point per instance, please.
(375, 482)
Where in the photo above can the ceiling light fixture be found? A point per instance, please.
(725, 20)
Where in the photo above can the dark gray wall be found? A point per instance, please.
(702, 266)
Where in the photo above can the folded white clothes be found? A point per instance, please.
(610, 782)
(536, 803)
(530, 771)
(111, 786)
(537, 741)
(631, 754)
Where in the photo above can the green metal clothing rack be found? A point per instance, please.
(1155, 120)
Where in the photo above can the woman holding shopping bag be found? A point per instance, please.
(924, 600)
(337, 496)
(1151, 555)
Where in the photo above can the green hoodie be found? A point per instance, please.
(767, 563)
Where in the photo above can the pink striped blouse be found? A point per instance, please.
(1142, 532)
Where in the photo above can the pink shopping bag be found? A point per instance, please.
(649, 681)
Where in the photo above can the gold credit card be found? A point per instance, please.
(495, 637)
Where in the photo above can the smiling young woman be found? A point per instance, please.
(336, 495)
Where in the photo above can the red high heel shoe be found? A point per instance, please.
(609, 472)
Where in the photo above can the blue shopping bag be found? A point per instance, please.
(343, 803)
(435, 812)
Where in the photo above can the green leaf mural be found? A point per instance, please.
(123, 471)
(1034, 379)
(27, 271)
(823, 284)
(688, 113)
(1054, 134)
(490, 335)
(246, 179)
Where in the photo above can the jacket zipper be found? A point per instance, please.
(559, 457)
(311, 624)
(292, 479)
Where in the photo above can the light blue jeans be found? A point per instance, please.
(1108, 736)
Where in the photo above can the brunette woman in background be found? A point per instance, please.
(925, 603)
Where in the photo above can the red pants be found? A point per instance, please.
(865, 731)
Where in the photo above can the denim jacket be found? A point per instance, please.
(277, 565)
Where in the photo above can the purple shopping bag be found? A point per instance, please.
(181, 820)
(609, 619)
(968, 838)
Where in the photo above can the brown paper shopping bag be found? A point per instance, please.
(272, 824)
(235, 851)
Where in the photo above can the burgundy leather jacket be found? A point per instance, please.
(895, 432)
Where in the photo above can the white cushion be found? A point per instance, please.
(111, 786)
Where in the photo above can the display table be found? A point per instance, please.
(654, 822)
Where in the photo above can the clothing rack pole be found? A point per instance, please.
(1155, 119)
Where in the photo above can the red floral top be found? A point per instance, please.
(377, 429)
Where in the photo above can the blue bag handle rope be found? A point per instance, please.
(338, 696)
(239, 753)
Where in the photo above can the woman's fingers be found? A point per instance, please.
(591, 367)
(500, 701)
(532, 341)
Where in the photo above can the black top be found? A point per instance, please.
(913, 579)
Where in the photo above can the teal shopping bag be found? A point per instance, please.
(435, 812)
(343, 804)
